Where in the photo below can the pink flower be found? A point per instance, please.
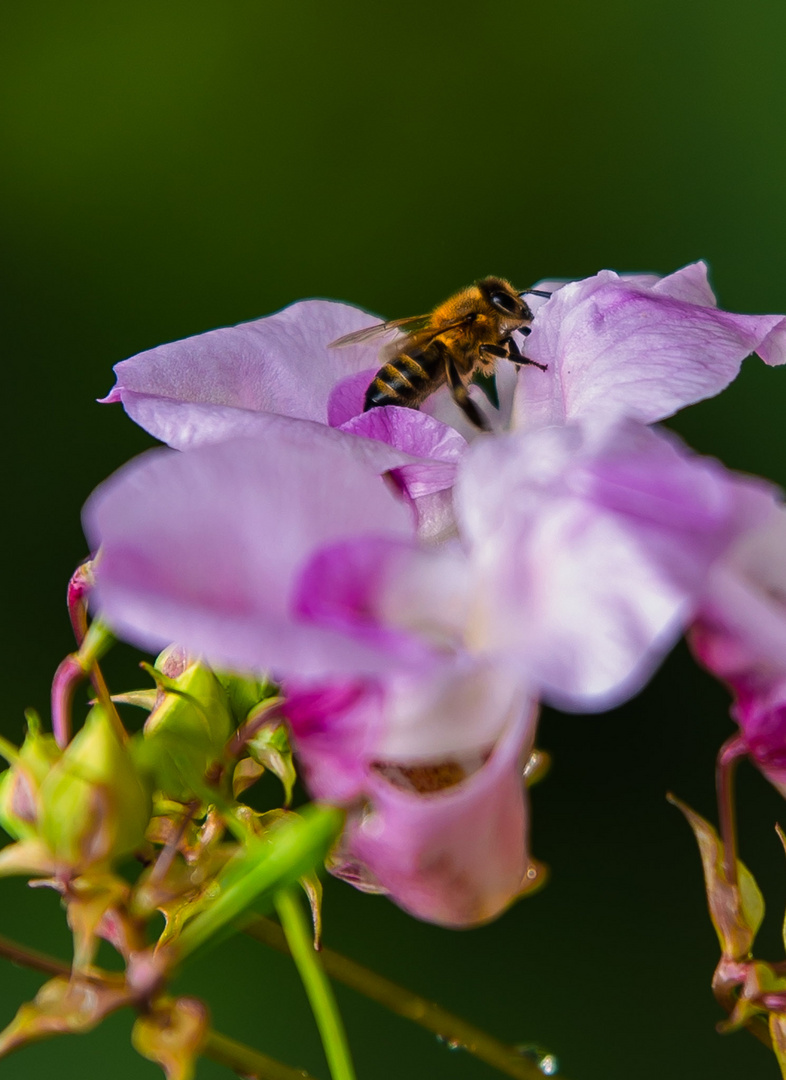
(562, 560)
(639, 346)
(411, 670)
(211, 548)
(205, 548)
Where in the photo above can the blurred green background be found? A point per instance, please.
(172, 167)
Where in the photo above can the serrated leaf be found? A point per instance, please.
(736, 909)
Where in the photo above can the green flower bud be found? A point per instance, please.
(94, 804)
(245, 692)
(187, 731)
(20, 784)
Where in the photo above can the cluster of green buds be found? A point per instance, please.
(129, 826)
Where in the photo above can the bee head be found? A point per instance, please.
(503, 298)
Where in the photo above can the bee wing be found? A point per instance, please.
(379, 330)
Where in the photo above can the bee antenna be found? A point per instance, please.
(535, 292)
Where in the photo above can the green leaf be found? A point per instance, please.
(736, 909)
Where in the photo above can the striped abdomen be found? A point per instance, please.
(407, 380)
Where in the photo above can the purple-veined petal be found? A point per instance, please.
(185, 425)
(622, 346)
(406, 598)
(348, 396)
(205, 548)
(409, 430)
(279, 364)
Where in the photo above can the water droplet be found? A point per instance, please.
(546, 1062)
(452, 1044)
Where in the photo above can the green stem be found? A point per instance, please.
(246, 1061)
(452, 1029)
(318, 989)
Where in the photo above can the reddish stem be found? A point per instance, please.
(68, 675)
(728, 756)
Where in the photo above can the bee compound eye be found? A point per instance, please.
(507, 304)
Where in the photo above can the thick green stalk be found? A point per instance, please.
(320, 994)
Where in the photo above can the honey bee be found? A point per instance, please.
(458, 341)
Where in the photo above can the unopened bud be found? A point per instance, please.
(187, 730)
(20, 784)
(94, 804)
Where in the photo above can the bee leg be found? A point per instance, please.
(462, 398)
(517, 357)
(499, 352)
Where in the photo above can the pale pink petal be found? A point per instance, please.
(279, 364)
(622, 346)
(691, 283)
(205, 548)
(409, 430)
(590, 547)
